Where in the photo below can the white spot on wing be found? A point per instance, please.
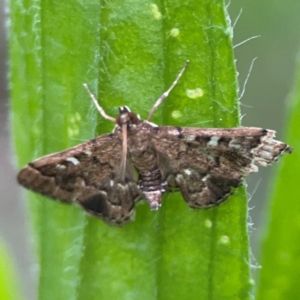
(122, 186)
(88, 153)
(187, 172)
(190, 138)
(253, 167)
(266, 154)
(233, 144)
(205, 178)
(179, 178)
(173, 131)
(60, 167)
(111, 183)
(73, 160)
(269, 148)
(214, 141)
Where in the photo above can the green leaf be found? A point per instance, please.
(129, 52)
(9, 283)
(280, 257)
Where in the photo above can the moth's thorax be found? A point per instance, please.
(139, 146)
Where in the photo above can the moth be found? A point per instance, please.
(139, 160)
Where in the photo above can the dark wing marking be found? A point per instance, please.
(86, 174)
(200, 190)
(205, 163)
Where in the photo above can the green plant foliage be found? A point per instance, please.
(279, 278)
(129, 52)
(9, 288)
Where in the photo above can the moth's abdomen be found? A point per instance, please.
(150, 179)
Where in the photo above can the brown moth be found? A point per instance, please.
(139, 160)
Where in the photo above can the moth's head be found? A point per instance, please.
(127, 117)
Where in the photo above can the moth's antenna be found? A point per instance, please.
(100, 109)
(166, 94)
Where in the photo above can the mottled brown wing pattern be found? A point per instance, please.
(205, 163)
(88, 175)
(108, 174)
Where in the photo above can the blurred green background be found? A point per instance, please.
(263, 105)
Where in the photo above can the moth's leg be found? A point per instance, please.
(100, 109)
(166, 94)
